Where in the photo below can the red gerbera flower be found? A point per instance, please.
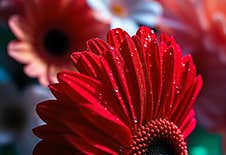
(133, 95)
(48, 31)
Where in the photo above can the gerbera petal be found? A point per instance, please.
(35, 68)
(99, 116)
(56, 90)
(72, 142)
(97, 46)
(94, 117)
(189, 127)
(16, 25)
(87, 63)
(44, 80)
(134, 78)
(56, 149)
(189, 100)
(153, 67)
(20, 51)
(116, 36)
(123, 110)
(82, 89)
(187, 120)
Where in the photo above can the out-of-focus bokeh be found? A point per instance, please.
(19, 94)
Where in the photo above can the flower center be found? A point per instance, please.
(118, 10)
(159, 137)
(56, 42)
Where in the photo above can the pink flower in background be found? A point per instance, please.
(10, 7)
(200, 26)
(48, 32)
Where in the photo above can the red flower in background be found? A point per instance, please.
(132, 95)
(47, 34)
(10, 7)
(200, 27)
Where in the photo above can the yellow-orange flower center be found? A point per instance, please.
(118, 10)
(159, 137)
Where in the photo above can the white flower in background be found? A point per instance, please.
(18, 116)
(126, 14)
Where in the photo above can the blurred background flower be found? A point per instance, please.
(127, 14)
(200, 26)
(46, 37)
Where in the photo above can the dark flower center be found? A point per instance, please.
(162, 147)
(56, 42)
(159, 137)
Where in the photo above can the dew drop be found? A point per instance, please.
(155, 42)
(135, 120)
(100, 96)
(121, 149)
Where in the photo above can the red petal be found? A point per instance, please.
(87, 63)
(75, 122)
(50, 148)
(116, 36)
(134, 86)
(97, 46)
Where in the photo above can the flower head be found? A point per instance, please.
(47, 34)
(203, 23)
(132, 95)
(127, 14)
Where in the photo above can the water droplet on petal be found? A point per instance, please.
(135, 120)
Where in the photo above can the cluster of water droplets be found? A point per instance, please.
(177, 86)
